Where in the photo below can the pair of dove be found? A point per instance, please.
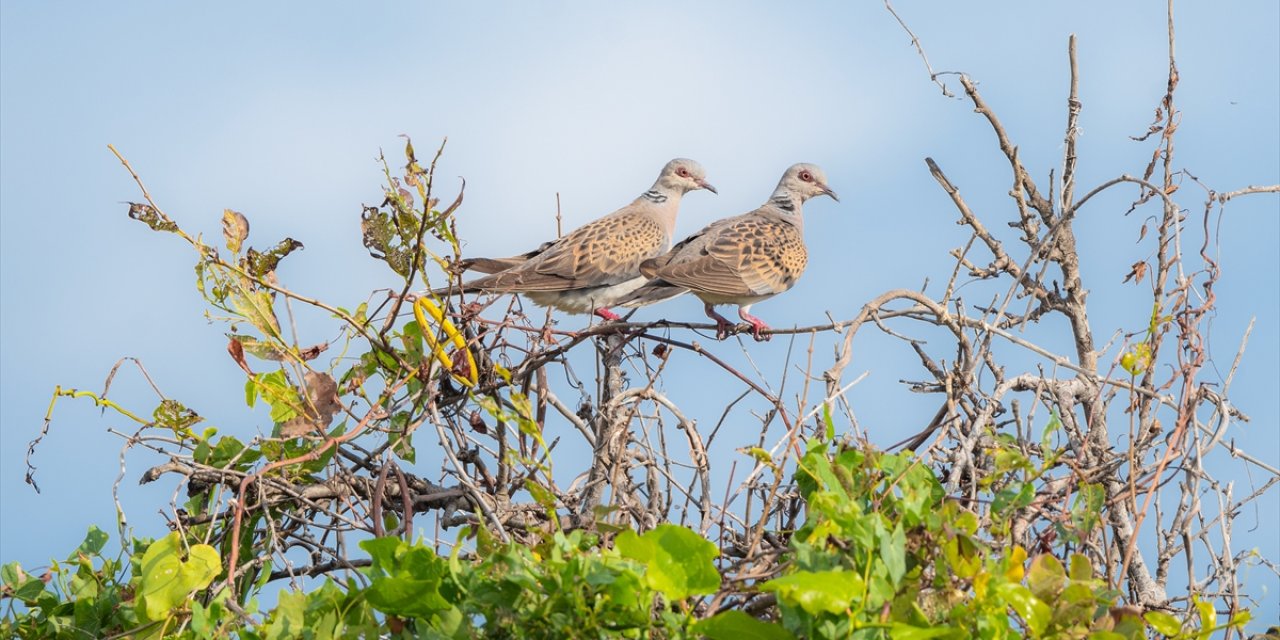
(626, 258)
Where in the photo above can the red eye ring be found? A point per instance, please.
(682, 172)
(806, 176)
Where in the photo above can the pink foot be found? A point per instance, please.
(605, 313)
(757, 325)
(723, 326)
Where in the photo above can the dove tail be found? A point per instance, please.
(654, 292)
(490, 265)
(454, 289)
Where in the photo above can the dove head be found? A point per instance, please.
(683, 175)
(806, 181)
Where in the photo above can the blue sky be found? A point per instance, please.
(279, 112)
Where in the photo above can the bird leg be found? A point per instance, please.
(608, 315)
(723, 326)
(757, 325)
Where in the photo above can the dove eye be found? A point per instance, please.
(682, 172)
(806, 176)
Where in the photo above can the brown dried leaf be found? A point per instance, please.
(297, 427)
(477, 423)
(237, 353)
(1137, 272)
(235, 228)
(312, 352)
(321, 404)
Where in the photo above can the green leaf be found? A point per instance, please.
(288, 618)
(900, 631)
(263, 349)
(736, 625)
(1035, 613)
(171, 414)
(275, 390)
(1016, 496)
(256, 307)
(818, 591)
(962, 555)
(893, 551)
(678, 561)
(1208, 617)
(406, 578)
(1055, 423)
(1163, 622)
(228, 449)
(25, 587)
(94, 541)
(1046, 577)
(1081, 567)
(1086, 510)
(167, 580)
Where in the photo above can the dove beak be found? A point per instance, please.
(707, 185)
(827, 190)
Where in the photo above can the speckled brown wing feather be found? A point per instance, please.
(747, 256)
(606, 251)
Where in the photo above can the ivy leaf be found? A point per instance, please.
(94, 541)
(19, 584)
(167, 580)
(736, 625)
(678, 561)
(406, 578)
